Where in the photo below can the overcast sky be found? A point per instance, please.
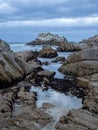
(22, 20)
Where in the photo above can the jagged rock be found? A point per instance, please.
(12, 68)
(47, 52)
(48, 38)
(89, 43)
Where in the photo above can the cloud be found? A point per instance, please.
(5, 7)
(37, 2)
(43, 9)
(55, 22)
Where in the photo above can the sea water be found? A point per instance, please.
(62, 103)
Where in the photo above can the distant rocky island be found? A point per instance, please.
(20, 70)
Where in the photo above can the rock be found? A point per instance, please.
(26, 55)
(68, 47)
(12, 68)
(4, 46)
(46, 73)
(35, 66)
(59, 59)
(89, 43)
(47, 106)
(47, 52)
(41, 117)
(80, 68)
(45, 63)
(87, 54)
(78, 120)
(81, 63)
(48, 38)
(18, 110)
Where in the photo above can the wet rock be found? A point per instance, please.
(78, 119)
(46, 73)
(48, 38)
(18, 123)
(18, 110)
(59, 59)
(45, 63)
(47, 52)
(47, 106)
(40, 117)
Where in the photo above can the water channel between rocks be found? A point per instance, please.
(60, 102)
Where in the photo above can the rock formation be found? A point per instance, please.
(47, 52)
(52, 39)
(12, 68)
(47, 38)
(89, 43)
(83, 65)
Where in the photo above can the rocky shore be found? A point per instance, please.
(20, 70)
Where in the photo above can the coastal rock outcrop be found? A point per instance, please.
(54, 39)
(47, 38)
(89, 43)
(12, 68)
(81, 63)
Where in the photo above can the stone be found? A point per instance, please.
(47, 106)
(12, 68)
(68, 47)
(59, 59)
(46, 73)
(78, 120)
(26, 55)
(89, 43)
(81, 63)
(47, 52)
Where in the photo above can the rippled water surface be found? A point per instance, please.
(58, 99)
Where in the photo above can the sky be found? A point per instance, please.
(22, 20)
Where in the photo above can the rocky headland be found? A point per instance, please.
(20, 70)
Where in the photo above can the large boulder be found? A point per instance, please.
(12, 68)
(47, 38)
(89, 43)
(47, 52)
(46, 73)
(78, 120)
(27, 55)
(68, 47)
(81, 63)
